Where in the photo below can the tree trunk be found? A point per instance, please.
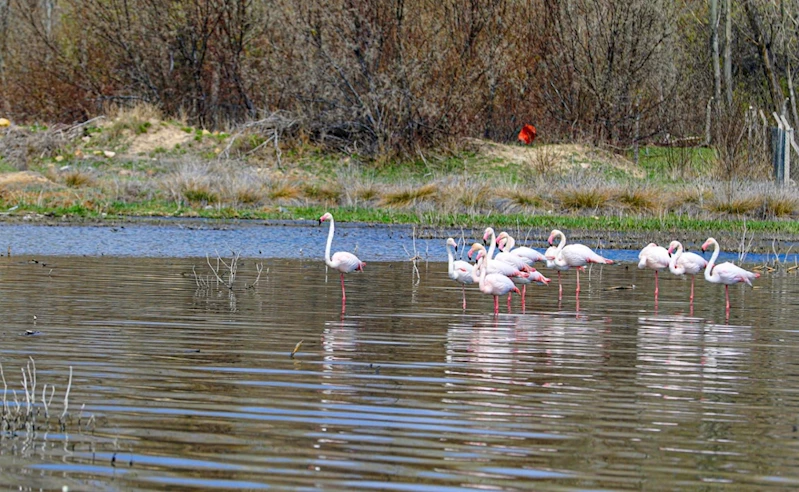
(764, 47)
(714, 43)
(728, 50)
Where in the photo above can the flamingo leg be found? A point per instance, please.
(693, 277)
(560, 287)
(343, 293)
(727, 295)
(524, 295)
(496, 305)
(578, 282)
(510, 295)
(464, 297)
(657, 287)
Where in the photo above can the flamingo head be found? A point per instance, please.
(487, 234)
(475, 247)
(673, 246)
(451, 242)
(325, 217)
(710, 241)
(552, 236)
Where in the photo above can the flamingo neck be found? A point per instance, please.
(710, 264)
(451, 259)
(487, 258)
(674, 258)
(329, 243)
(561, 243)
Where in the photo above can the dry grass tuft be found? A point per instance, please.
(78, 178)
(409, 195)
(522, 198)
(282, 189)
(327, 192)
(639, 199)
(779, 206)
(577, 198)
(735, 206)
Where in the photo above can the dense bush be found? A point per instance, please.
(375, 76)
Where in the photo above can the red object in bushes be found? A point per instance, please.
(527, 135)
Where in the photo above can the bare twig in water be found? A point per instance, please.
(744, 248)
(417, 278)
(66, 399)
(296, 348)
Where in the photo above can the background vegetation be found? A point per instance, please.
(385, 77)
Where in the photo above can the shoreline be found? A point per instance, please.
(771, 242)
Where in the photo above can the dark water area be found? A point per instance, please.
(180, 383)
(292, 240)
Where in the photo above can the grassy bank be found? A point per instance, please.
(133, 164)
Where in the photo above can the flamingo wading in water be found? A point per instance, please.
(493, 284)
(726, 273)
(573, 255)
(685, 263)
(342, 261)
(458, 270)
(655, 258)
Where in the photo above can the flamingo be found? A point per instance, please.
(573, 255)
(342, 261)
(726, 273)
(656, 258)
(497, 266)
(493, 284)
(505, 242)
(685, 263)
(459, 270)
(515, 260)
(550, 254)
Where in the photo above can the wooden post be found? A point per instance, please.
(781, 149)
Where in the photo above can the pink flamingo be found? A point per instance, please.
(726, 273)
(517, 276)
(342, 261)
(655, 258)
(550, 254)
(506, 244)
(459, 270)
(573, 255)
(685, 263)
(493, 284)
(515, 260)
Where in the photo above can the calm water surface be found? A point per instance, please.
(181, 384)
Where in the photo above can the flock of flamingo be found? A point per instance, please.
(498, 275)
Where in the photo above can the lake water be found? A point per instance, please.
(180, 383)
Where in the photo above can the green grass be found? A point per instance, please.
(663, 164)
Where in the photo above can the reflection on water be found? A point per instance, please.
(182, 384)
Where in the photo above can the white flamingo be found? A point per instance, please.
(573, 256)
(458, 270)
(726, 273)
(506, 243)
(685, 263)
(342, 261)
(512, 259)
(550, 254)
(493, 284)
(655, 258)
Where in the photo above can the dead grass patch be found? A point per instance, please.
(735, 206)
(409, 195)
(638, 199)
(576, 198)
(779, 206)
(327, 192)
(78, 178)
